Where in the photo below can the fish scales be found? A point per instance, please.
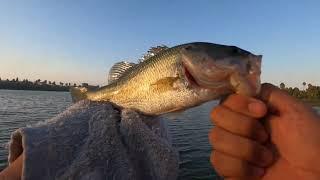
(181, 77)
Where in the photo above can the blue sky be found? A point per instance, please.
(78, 41)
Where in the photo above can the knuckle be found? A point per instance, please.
(216, 112)
(218, 139)
(217, 163)
(249, 126)
(255, 154)
(213, 158)
(215, 135)
(254, 130)
(228, 166)
(250, 151)
(260, 134)
(245, 169)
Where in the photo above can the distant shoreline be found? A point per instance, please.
(52, 90)
(38, 85)
(312, 102)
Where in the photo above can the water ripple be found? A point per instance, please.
(189, 130)
(22, 108)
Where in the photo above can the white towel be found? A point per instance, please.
(92, 140)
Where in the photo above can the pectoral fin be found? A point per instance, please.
(164, 84)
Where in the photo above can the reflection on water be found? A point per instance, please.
(188, 129)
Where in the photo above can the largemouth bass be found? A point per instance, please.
(181, 77)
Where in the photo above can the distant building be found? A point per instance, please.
(117, 70)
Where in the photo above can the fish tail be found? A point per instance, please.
(78, 93)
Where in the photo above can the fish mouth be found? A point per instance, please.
(190, 78)
(240, 84)
(196, 78)
(245, 84)
(230, 73)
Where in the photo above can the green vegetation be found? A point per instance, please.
(310, 94)
(38, 85)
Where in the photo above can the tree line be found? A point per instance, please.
(45, 85)
(25, 84)
(309, 91)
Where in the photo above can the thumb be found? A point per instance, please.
(277, 100)
(294, 130)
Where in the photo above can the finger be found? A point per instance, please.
(278, 100)
(279, 133)
(246, 105)
(240, 147)
(228, 166)
(239, 124)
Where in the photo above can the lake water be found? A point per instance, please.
(189, 130)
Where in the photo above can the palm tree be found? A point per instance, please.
(37, 81)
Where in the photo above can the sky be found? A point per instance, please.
(79, 40)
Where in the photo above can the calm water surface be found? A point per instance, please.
(23, 108)
(189, 130)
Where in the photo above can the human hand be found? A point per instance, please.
(294, 130)
(238, 138)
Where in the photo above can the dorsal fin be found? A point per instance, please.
(118, 69)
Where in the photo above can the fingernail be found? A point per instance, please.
(258, 171)
(254, 107)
